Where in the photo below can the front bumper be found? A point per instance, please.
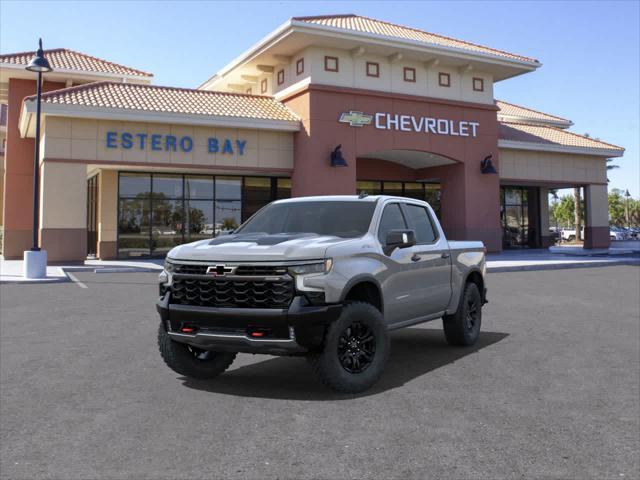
(297, 329)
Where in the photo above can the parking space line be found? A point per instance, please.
(75, 280)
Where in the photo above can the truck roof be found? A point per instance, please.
(342, 198)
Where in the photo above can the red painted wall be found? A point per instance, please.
(18, 177)
(470, 200)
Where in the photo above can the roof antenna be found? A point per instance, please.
(363, 194)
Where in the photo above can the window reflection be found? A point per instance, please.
(159, 211)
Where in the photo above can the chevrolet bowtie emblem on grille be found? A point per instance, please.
(219, 270)
(356, 119)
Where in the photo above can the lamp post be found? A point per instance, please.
(555, 214)
(35, 260)
(626, 208)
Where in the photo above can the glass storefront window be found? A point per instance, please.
(228, 188)
(159, 211)
(135, 184)
(199, 220)
(370, 188)
(283, 188)
(133, 227)
(414, 190)
(167, 186)
(256, 194)
(392, 188)
(228, 216)
(198, 188)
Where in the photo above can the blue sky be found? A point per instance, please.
(589, 50)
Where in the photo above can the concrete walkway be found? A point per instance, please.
(11, 270)
(507, 261)
(543, 259)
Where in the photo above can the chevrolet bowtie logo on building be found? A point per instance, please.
(356, 119)
(219, 270)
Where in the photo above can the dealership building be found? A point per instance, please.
(323, 105)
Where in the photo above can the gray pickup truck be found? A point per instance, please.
(324, 277)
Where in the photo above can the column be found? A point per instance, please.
(596, 216)
(107, 214)
(546, 240)
(63, 211)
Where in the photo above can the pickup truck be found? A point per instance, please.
(325, 277)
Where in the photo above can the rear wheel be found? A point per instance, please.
(463, 327)
(355, 350)
(192, 361)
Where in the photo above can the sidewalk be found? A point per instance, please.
(544, 259)
(11, 270)
(506, 261)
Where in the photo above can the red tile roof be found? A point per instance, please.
(65, 59)
(544, 135)
(152, 98)
(513, 110)
(370, 25)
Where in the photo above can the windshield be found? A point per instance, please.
(340, 219)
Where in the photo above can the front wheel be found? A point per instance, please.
(191, 361)
(355, 350)
(463, 327)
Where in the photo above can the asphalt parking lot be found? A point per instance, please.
(551, 391)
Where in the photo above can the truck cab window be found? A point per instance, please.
(392, 219)
(419, 220)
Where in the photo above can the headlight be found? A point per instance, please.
(322, 267)
(168, 266)
(163, 277)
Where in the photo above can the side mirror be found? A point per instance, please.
(399, 239)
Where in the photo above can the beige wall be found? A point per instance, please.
(80, 139)
(352, 73)
(552, 167)
(108, 206)
(63, 195)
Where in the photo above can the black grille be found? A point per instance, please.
(255, 270)
(260, 270)
(232, 293)
(190, 269)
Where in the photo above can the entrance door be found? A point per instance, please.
(92, 216)
(520, 218)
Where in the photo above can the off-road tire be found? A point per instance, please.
(184, 361)
(327, 365)
(463, 327)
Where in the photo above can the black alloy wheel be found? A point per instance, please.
(473, 312)
(356, 347)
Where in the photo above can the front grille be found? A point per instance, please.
(249, 270)
(190, 269)
(232, 293)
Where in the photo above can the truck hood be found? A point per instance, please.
(257, 247)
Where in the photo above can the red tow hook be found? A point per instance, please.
(187, 329)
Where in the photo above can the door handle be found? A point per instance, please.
(445, 255)
(415, 257)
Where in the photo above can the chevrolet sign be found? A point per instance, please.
(355, 119)
(410, 123)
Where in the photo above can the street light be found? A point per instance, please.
(626, 208)
(35, 260)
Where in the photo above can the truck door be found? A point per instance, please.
(400, 292)
(432, 258)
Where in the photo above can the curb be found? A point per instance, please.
(564, 266)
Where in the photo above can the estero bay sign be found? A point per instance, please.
(411, 123)
(171, 143)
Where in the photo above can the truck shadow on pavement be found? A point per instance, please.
(414, 352)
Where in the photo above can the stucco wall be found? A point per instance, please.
(85, 140)
(552, 167)
(352, 73)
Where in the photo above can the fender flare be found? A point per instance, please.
(362, 278)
